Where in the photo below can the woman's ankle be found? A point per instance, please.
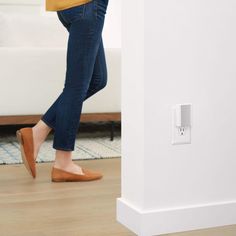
(63, 159)
(41, 131)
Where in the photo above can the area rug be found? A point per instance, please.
(87, 146)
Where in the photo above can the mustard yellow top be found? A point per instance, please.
(56, 5)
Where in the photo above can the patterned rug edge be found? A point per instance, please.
(74, 159)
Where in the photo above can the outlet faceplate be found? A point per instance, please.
(180, 135)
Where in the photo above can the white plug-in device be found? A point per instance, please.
(181, 123)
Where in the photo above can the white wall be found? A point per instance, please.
(188, 56)
(112, 27)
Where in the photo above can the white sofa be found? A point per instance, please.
(33, 63)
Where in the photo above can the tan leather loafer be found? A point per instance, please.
(59, 175)
(25, 139)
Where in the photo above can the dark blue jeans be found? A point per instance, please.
(86, 71)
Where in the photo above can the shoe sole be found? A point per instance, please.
(71, 180)
(65, 180)
(55, 180)
(24, 159)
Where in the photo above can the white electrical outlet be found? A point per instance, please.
(181, 128)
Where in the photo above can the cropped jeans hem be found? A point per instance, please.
(62, 148)
(47, 123)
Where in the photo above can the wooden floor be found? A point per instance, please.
(31, 207)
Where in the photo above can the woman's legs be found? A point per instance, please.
(86, 74)
(47, 122)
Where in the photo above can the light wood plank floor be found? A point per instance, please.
(39, 207)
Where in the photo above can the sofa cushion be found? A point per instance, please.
(31, 30)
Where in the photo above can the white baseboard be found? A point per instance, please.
(172, 220)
